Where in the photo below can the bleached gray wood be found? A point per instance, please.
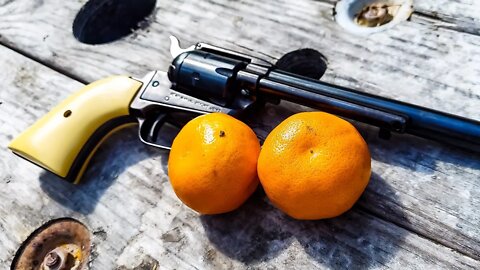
(427, 188)
(456, 15)
(417, 57)
(127, 202)
(136, 219)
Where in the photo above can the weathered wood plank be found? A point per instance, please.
(457, 15)
(403, 54)
(435, 187)
(128, 203)
(461, 15)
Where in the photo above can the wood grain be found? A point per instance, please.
(456, 15)
(402, 55)
(136, 219)
(459, 15)
(426, 188)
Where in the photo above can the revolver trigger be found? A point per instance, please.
(150, 128)
(159, 129)
(155, 127)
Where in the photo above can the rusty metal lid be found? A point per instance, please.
(60, 244)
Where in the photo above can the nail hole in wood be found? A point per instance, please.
(103, 21)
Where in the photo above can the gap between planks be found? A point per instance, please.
(410, 229)
(435, 18)
(55, 68)
(417, 232)
(60, 64)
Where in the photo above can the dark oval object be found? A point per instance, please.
(305, 62)
(50, 236)
(103, 21)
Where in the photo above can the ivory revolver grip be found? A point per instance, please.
(64, 140)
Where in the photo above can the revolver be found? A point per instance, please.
(204, 79)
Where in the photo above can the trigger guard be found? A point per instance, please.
(152, 124)
(149, 129)
(157, 123)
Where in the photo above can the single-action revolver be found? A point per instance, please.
(203, 79)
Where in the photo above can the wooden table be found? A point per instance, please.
(420, 210)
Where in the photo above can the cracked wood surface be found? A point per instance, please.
(419, 186)
(136, 220)
(456, 15)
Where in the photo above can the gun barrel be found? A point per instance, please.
(388, 114)
(218, 76)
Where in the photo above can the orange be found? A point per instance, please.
(213, 163)
(314, 165)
